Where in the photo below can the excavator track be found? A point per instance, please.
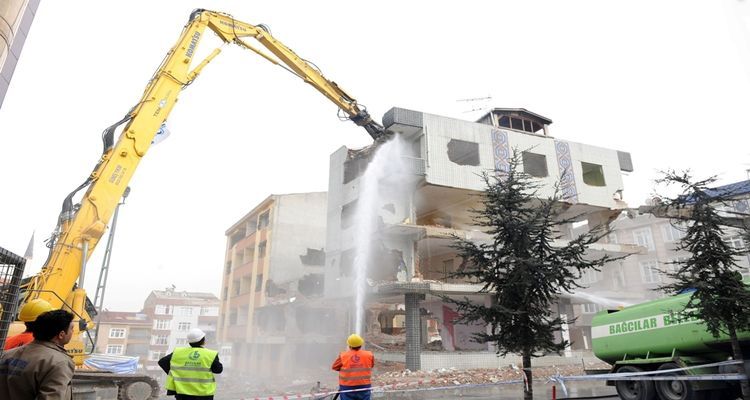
(129, 386)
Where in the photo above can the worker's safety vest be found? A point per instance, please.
(190, 371)
(356, 368)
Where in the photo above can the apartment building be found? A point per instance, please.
(16, 17)
(406, 271)
(637, 278)
(172, 315)
(272, 281)
(124, 334)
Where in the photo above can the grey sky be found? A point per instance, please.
(666, 81)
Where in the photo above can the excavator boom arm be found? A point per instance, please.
(80, 227)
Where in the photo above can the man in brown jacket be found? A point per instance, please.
(40, 370)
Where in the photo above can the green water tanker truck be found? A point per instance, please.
(656, 335)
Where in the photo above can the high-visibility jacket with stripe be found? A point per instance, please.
(190, 371)
(356, 367)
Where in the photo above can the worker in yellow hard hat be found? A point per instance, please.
(355, 369)
(29, 312)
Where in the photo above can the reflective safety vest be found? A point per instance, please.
(356, 367)
(190, 371)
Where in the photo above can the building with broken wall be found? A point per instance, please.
(412, 243)
(272, 286)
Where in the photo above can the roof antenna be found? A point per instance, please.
(476, 103)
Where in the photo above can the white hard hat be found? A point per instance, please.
(195, 335)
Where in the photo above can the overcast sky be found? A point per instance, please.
(667, 81)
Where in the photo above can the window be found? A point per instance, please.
(159, 340)
(263, 220)
(674, 264)
(156, 355)
(162, 324)
(347, 214)
(593, 174)
(181, 342)
(463, 153)
(114, 349)
(735, 242)
(248, 254)
(672, 233)
(258, 282)
(618, 276)
(535, 164)
(209, 310)
(251, 227)
(117, 333)
(447, 267)
(516, 123)
(261, 250)
(650, 271)
(504, 121)
(591, 308)
(184, 311)
(612, 238)
(183, 326)
(162, 309)
(642, 237)
(590, 276)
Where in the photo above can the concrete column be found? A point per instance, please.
(413, 331)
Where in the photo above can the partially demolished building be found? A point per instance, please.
(409, 269)
(272, 283)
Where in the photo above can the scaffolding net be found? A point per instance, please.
(11, 271)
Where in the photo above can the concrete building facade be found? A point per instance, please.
(172, 315)
(124, 333)
(273, 272)
(407, 273)
(16, 17)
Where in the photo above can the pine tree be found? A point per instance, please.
(719, 296)
(520, 267)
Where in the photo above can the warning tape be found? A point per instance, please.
(654, 375)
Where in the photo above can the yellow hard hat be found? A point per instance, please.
(33, 309)
(355, 340)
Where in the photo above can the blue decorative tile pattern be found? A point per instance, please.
(501, 150)
(567, 178)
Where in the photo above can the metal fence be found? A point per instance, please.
(11, 272)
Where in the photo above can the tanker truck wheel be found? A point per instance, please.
(676, 390)
(634, 390)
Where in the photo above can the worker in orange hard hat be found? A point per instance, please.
(29, 312)
(355, 369)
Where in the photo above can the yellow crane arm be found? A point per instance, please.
(81, 226)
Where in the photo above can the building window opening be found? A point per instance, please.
(504, 121)
(262, 250)
(347, 214)
(593, 174)
(463, 153)
(516, 123)
(535, 164)
(263, 220)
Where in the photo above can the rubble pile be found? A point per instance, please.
(389, 375)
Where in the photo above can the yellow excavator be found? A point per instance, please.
(80, 226)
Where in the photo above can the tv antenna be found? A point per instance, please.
(477, 103)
